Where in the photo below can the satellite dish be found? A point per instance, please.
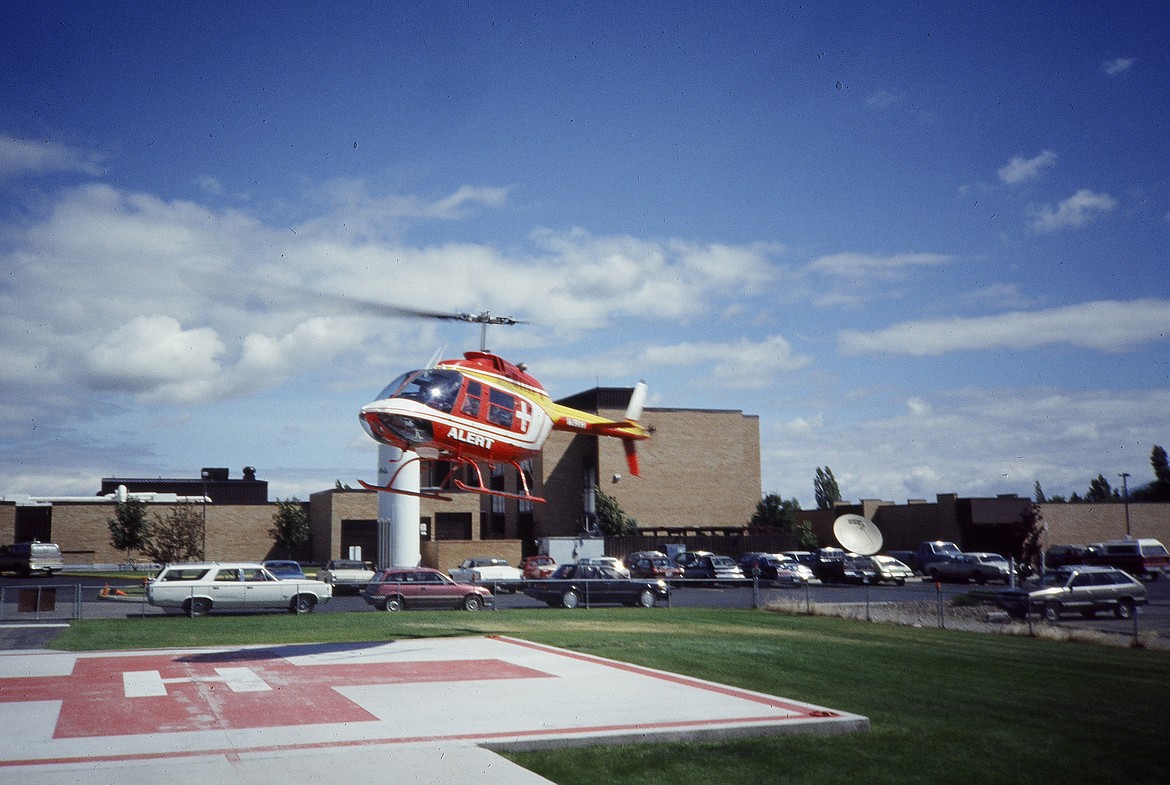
(857, 534)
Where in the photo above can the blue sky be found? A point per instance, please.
(925, 243)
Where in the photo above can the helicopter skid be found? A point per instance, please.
(420, 494)
(502, 494)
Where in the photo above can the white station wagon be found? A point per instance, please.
(198, 588)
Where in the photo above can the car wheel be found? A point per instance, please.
(197, 606)
(472, 602)
(393, 604)
(1124, 609)
(570, 599)
(303, 603)
(1052, 611)
(981, 579)
(899, 581)
(935, 575)
(647, 599)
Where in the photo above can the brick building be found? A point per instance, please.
(700, 466)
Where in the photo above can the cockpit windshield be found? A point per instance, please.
(434, 387)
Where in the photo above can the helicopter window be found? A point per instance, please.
(471, 400)
(389, 390)
(500, 408)
(436, 388)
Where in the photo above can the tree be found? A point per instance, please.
(1159, 489)
(129, 529)
(611, 518)
(825, 488)
(1038, 493)
(774, 512)
(178, 537)
(1026, 536)
(290, 524)
(1099, 490)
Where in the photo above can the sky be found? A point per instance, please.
(926, 243)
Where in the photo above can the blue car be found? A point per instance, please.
(285, 570)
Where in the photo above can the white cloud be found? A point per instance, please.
(31, 157)
(1076, 210)
(1020, 169)
(1116, 66)
(152, 354)
(1107, 325)
(854, 265)
(975, 443)
(751, 364)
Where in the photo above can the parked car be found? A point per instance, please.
(1082, 589)
(834, 565)
(491, 571)
(1145, 557)
(612, 562)
(284, 569)
(930, 551)
(1064, 555)
(630, 558)
(400, 588)
(654, 567)
(710, 569)
(346, 573)
(890, 570)
(574, 584)
(683, 558)
(978, 567)
(199, 588)
(767, 567)
(538, 567)
(805, 572)
(25, 558)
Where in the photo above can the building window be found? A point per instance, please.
(452, 526)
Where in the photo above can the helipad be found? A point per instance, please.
(426, 710)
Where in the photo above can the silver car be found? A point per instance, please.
(1078, 589)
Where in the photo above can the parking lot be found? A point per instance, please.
(29, 603)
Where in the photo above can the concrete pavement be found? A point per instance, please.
(419, 710)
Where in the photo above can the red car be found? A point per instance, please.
(399, 588)
(538, 567)
(654, 567)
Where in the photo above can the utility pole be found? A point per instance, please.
(1125, 500)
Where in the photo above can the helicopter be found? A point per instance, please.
(482, 408)
(479, 409)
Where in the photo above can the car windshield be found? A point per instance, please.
(993, 558)
(723, 561)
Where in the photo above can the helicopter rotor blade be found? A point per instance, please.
(249, 292)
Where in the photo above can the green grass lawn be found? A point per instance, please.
(944, 706)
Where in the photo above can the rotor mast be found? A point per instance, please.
(483, 319)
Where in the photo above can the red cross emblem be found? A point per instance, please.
(115, 696)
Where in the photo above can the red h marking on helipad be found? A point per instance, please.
(115, 696)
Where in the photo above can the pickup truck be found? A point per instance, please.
(930, 551)
(489, 571)
(25, 558)
(1145, 557)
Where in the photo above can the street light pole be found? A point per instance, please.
(203, 545)
(1125, 500)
